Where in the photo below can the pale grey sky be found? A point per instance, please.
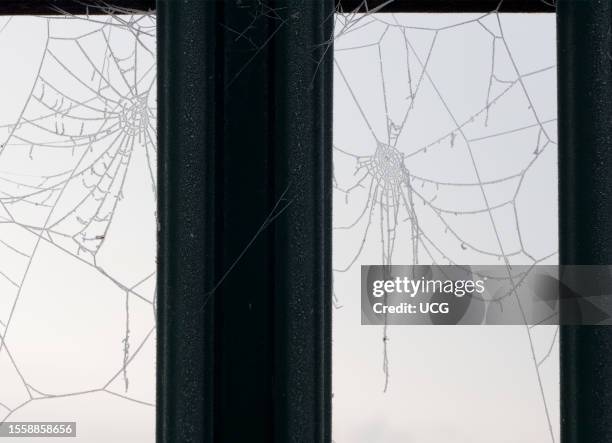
(446, 383)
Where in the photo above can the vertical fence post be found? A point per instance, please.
(187, 244)
(244, 298)
(585, 206)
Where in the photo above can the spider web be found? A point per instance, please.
(77, 215)
(440, 152)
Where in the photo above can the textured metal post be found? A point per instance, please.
(187, 244)
(245, 220)
(585, 206)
